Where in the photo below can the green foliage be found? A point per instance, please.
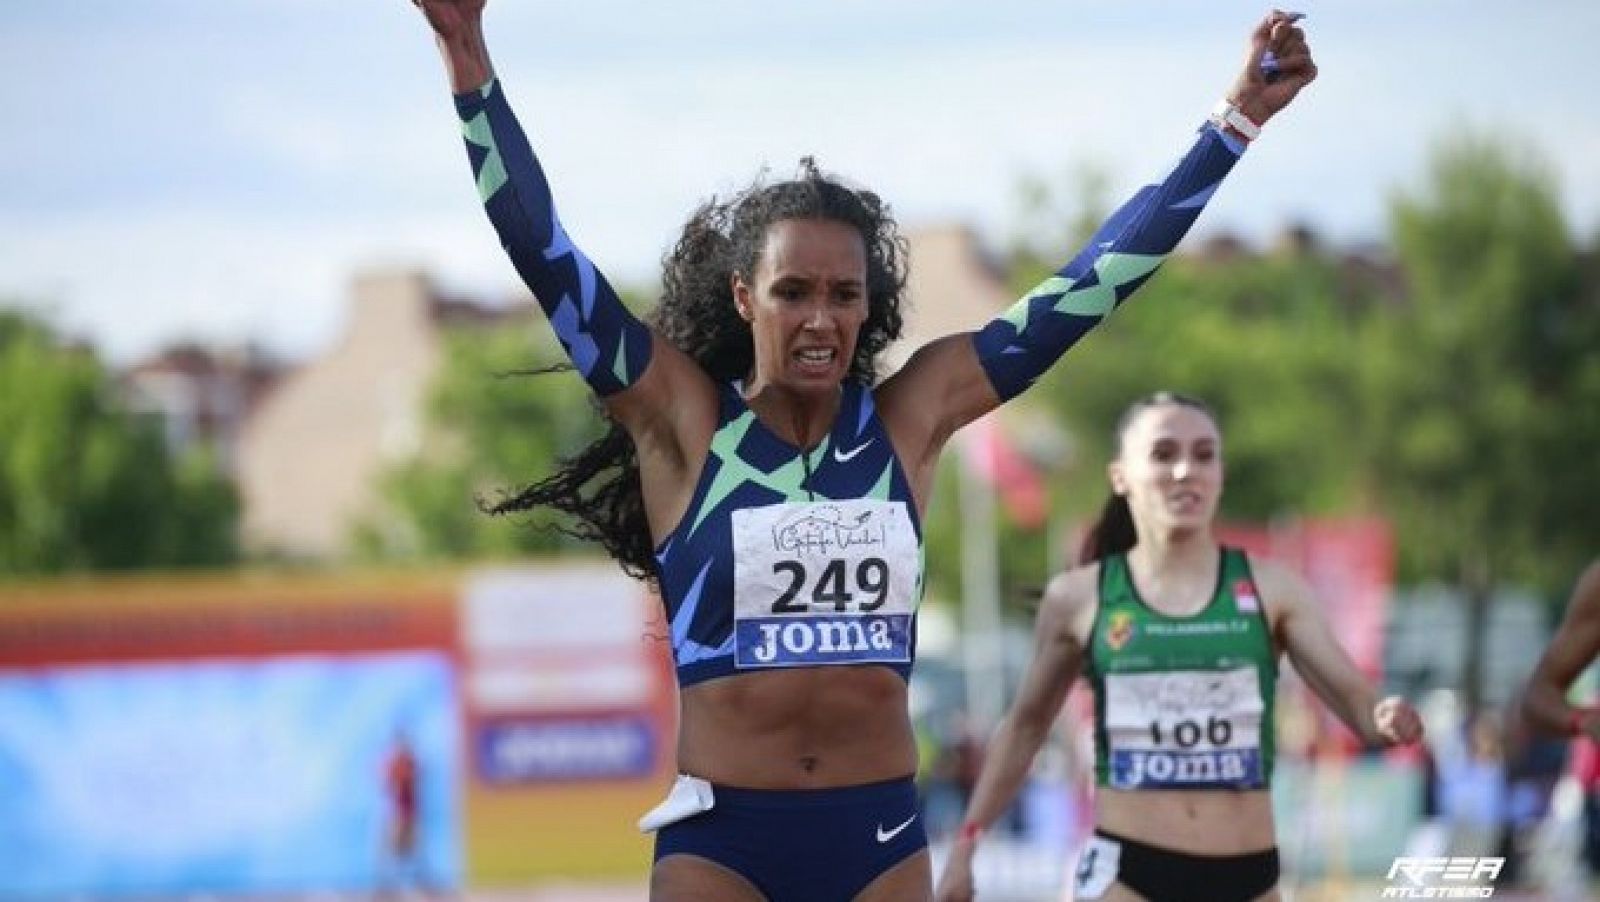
(1490, 391)
(1274, 374)
(1269, 343)
(494, 426)
(86, 486)
(1050, 217)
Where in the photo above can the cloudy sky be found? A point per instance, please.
(179, 168)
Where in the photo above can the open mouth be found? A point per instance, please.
(816, 359)
(1185, 501)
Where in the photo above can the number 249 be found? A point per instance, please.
(834, 586)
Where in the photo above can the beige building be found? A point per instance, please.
(313, 448)
(952, 287)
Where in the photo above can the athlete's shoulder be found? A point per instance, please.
(1075, 586)
(1070, 600)
(1280, 585)
(1586, 593)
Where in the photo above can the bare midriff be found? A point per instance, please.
(1196, 822)
(800, 728)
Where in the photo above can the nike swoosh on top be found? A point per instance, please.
(845, 456)
(886, 835)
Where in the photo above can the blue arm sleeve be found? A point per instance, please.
(607, 343)
(1017, 347)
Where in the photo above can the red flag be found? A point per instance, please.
(995, 460)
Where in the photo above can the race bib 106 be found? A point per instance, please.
(831, 582)
(1186, 729)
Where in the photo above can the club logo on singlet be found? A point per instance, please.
(824, 583)
(1245, 600)
(1185, 729)
(1119, 629)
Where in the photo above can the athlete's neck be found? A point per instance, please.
(1174, 553)
(800, 418)
(1175, 574)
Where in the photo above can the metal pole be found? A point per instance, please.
(982, 651)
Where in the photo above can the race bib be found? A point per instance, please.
(832, 582)
(1186, 729)
(1098, 863)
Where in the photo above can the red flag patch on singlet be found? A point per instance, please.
(1244, 597)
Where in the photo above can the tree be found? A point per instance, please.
(1483, 395)
(84, 485)
(493, 425)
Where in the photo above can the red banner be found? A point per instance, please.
(1350, 566)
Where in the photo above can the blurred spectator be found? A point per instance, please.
(402, 852)
(1586, 768)
(1534, 765)
(1472, 787)
(953, 775)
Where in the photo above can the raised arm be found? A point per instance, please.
(953, 381)
(1326, 667)
(611, 348)
(1063, 623)
(1573, 648)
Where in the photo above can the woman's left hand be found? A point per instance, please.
(1260, 92)
(1396, 721)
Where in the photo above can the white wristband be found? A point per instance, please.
(1226, 113)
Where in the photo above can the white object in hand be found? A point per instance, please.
(689, 796)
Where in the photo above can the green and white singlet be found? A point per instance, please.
(1183, 702)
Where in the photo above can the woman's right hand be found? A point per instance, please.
(955, 883)
(451, 18)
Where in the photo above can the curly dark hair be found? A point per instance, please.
(598, 488)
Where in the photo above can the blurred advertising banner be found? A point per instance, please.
(1341, 818)
(229, 735)
(218, 776)
(570, 719)
(284, 734)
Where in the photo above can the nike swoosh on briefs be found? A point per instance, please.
(845, 456)
(886, 835)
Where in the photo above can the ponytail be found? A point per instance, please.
(1113, 532)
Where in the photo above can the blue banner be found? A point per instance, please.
(597, 747)
(278, 775)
